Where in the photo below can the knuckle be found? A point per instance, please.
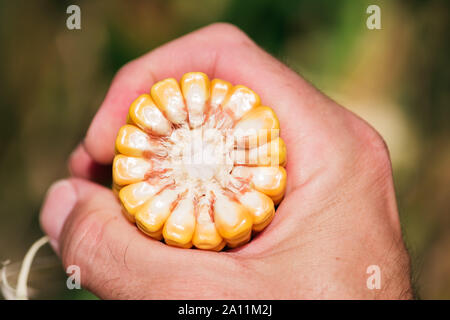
(228, 33)
(125, 69)
(377, 174)
(225, 27)
(377, 149)
(373, 149)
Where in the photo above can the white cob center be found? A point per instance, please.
(201, 158)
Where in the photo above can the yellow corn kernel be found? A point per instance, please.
(272, 153)
(168, 97)
(131, 141)
(257, 127)
(151, 217)
(127, 170)
(195, 89)
(135, 195)
(239, 101)
(146, 115)
(206, 236)
(179, 227)
(268, 180)
(260, 206)
(233, 221)
(219, 91)
(239, 241)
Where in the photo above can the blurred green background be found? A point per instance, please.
(53, 79)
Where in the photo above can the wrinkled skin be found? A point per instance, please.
(338, 217)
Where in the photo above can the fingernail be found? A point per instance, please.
(59, 202)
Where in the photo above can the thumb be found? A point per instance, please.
(84, 222)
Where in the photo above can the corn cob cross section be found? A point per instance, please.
(200, 163)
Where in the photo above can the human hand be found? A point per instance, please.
(338, 217)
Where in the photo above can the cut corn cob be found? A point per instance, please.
(200, 163)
